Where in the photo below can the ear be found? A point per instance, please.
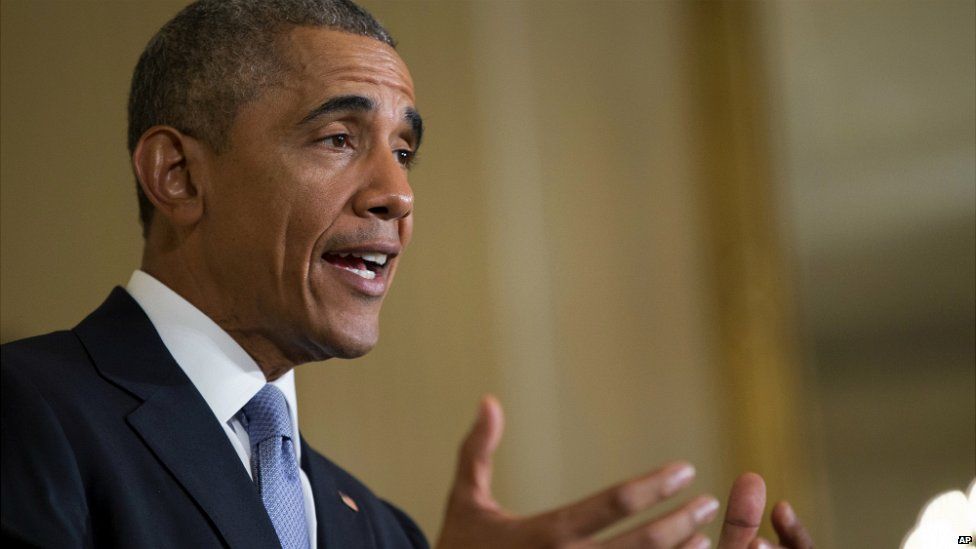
(161, 160)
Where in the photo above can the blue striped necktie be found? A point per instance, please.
(274, 465)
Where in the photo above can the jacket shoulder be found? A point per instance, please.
(38, 358)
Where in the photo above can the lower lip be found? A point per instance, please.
(373, 288)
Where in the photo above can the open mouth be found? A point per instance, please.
(368, 265)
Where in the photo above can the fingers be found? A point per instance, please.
(606, 507)
(792, 533)
(670, 530)
(747, 499)
(761, 543)
(473, 479)
(698, 541)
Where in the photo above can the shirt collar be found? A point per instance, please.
(221, 370)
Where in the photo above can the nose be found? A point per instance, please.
(388, 195)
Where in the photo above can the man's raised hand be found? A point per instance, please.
(474, 519)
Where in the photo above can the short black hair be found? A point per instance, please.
(216, 55)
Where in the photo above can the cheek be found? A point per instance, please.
(312, 214)
(250, 214)
(248, 198)
(319, 199)
(406, 230)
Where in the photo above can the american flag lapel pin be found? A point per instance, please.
(350, 503)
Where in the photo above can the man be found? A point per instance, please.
(271, 142)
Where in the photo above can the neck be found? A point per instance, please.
(176, 269)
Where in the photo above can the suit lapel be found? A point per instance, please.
(174, 421)
(339, 526)
(200, 457)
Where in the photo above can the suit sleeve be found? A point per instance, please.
(43, 497)
(414, 534)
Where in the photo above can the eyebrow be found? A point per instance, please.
(359, 103)
(342, 103)
(416, 125)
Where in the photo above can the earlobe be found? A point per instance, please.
(161, 165)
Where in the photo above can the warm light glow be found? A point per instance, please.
(943, 520)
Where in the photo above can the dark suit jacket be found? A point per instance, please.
(107, 443)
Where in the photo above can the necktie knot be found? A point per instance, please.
(266, 415)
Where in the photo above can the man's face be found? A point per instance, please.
(308, 208)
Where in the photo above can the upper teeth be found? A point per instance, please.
(379, 259)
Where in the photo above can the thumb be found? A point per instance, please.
(474, 469)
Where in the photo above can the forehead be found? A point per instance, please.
(326, 60)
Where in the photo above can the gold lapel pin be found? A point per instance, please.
(350, 503)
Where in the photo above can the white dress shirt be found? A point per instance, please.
(221, 370)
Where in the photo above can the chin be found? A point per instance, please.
(351, 351)
(349, 342)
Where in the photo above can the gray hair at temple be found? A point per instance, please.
(217, 55)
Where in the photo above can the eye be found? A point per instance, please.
(405, 157)
(339, 141)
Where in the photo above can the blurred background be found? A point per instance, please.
(738, 233)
